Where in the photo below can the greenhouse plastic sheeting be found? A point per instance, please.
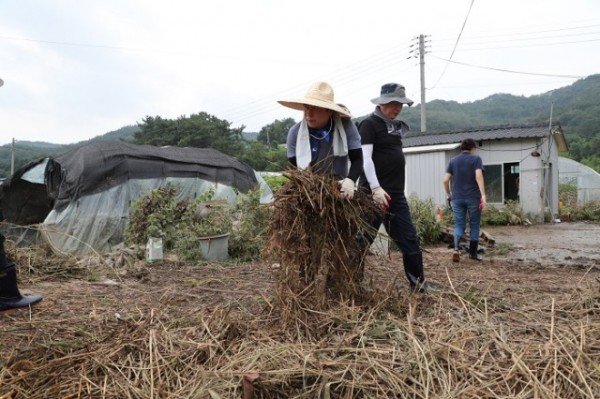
(96, 223)
(585, 178)
(102, 165)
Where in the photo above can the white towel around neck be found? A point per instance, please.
(339, 145)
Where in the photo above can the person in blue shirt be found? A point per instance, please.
(467, 196)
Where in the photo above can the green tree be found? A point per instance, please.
(263, 158)
(275, 133)
(200, 130)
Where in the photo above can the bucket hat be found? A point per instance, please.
(392, 92)
(319, 94)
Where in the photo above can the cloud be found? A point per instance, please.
(99, 65)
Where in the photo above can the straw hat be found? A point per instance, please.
(392, 92)
(319, 94)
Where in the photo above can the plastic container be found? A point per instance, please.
(215, 247)
(154, 249)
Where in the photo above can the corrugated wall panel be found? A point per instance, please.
(424, 173)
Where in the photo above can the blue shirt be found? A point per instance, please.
(462, 168)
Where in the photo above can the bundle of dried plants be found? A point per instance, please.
(314, 237)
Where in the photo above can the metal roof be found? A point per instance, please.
(491, 133)
(430, 148)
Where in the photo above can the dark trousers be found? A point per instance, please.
(3, 259)
(400, 228)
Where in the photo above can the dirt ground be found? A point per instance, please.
(530, 268)
(552, 245)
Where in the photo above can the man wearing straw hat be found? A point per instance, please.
(384, 168)
(326, 138)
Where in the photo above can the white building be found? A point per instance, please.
(520, 163)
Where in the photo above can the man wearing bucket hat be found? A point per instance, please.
(326, 139)
(384, 169)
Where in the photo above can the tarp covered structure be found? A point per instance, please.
(82, 198)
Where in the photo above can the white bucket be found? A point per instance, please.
(215, 247)
(154, 249)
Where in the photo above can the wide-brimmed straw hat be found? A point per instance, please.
(392, 92)
(319, 94)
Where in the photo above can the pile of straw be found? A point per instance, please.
(314, 238)
(455, 350)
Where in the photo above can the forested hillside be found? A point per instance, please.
(577, 107)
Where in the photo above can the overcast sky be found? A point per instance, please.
(76, 69)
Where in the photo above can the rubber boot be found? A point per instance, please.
(413, 267)
(456, 253)
(473, 246)
(10, 297)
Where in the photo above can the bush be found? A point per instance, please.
(204, 217)
(180, 224)
(251, 221)
(275, 182)
(588, 211)
(511, 213)
(567, 195)
(155, 215)
(423, 214)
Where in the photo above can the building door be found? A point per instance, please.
(511, 181)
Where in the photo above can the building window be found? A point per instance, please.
(502, 182)
(493, 183)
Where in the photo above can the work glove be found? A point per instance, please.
(381, 198)
(347, 188)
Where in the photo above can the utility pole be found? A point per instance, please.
(423, 102)
(418, 50)
(12, 157)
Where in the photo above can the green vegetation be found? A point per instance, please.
(155, 215)
(501, 249)
(577, 107)
(275, 133)
(248, 237)
(203, 130)
(203, 218)
(511, 213)
(423, 214)
(275, 182)
(182, 224)
(569, 208)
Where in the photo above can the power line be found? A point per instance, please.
(510, 71)
(503, 84)
(365, 64)
(455, 44)
(515, 32)
(348, 75)
(270, 104)
(522, 39)
(530, 45)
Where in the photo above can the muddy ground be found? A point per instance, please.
(552, 245)
(530, 269)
